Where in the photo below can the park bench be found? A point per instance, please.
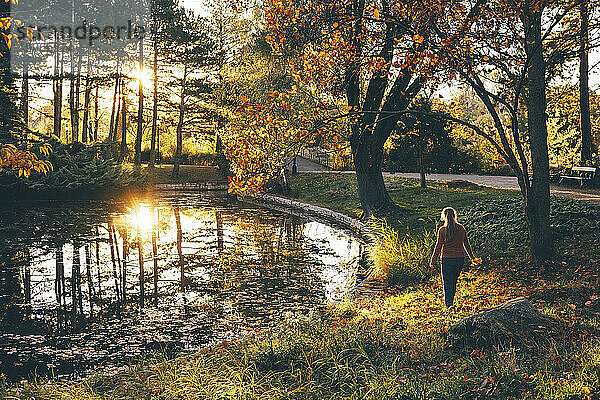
(553, 173)
(581, 174)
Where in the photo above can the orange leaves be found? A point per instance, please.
(418, 38)
(8, 39)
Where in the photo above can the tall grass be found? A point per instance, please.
(397, 258)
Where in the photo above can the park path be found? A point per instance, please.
(500, 182)
(510, 182)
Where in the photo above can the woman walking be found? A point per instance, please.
(452, 242)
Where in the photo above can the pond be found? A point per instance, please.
(89, 285)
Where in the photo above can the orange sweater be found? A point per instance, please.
(453, 248)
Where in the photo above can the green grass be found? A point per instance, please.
(395, 257)
(421, 206)
(316, 358)
(161, 174)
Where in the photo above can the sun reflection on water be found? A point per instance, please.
(140, 217)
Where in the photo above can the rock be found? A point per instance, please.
(515, 323)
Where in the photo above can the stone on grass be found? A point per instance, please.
(516, 323)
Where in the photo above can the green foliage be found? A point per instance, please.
(77, 167)
(500, 225)
(429, 135)
(398, 258)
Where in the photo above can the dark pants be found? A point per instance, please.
(451, 268)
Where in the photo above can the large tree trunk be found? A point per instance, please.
(96, 118)
(537, 199)
(111, 129)
(137, 159)
(372, 193)
(178, 149)
(154, 107)
(584, 91)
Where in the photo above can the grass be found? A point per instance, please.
(396, 257)
(421, 206)
(161, 174)
(392, 346)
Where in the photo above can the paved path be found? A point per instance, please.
(500, 182)
(510, 182)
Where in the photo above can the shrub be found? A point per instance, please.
(397, 258)
(76, 167)
(500, 225)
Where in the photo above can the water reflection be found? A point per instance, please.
(93, 283)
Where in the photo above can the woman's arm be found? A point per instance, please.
(438, 248)
(467, 246)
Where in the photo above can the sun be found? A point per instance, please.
(145, 76)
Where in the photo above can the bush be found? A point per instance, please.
(76, 167)
(500, 225)
(397, 259)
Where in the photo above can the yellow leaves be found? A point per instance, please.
(24, 161)
(5, 23)
(418, 38)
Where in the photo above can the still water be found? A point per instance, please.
(88, 285)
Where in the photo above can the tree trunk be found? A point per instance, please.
(177, 158)
(96, 118)
(537, 207)
(584, 91)
(111, 129)
(86, 106)
(422, 167)
(57, 90)
(154, 107)
(373, 195)
(123, 151)
(137, 159)
(25, 94)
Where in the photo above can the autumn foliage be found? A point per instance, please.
(24, 161)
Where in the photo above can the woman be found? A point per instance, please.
(452, 241)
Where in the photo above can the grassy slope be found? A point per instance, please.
(391, 346)
(338, 192)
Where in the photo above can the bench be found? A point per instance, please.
(581, 174)
(553, 173)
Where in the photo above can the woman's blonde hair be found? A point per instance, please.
(449, 218)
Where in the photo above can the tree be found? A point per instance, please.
(507, 59)
(193, 48)
(361, 65)
(584, 87)
(162, 14)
